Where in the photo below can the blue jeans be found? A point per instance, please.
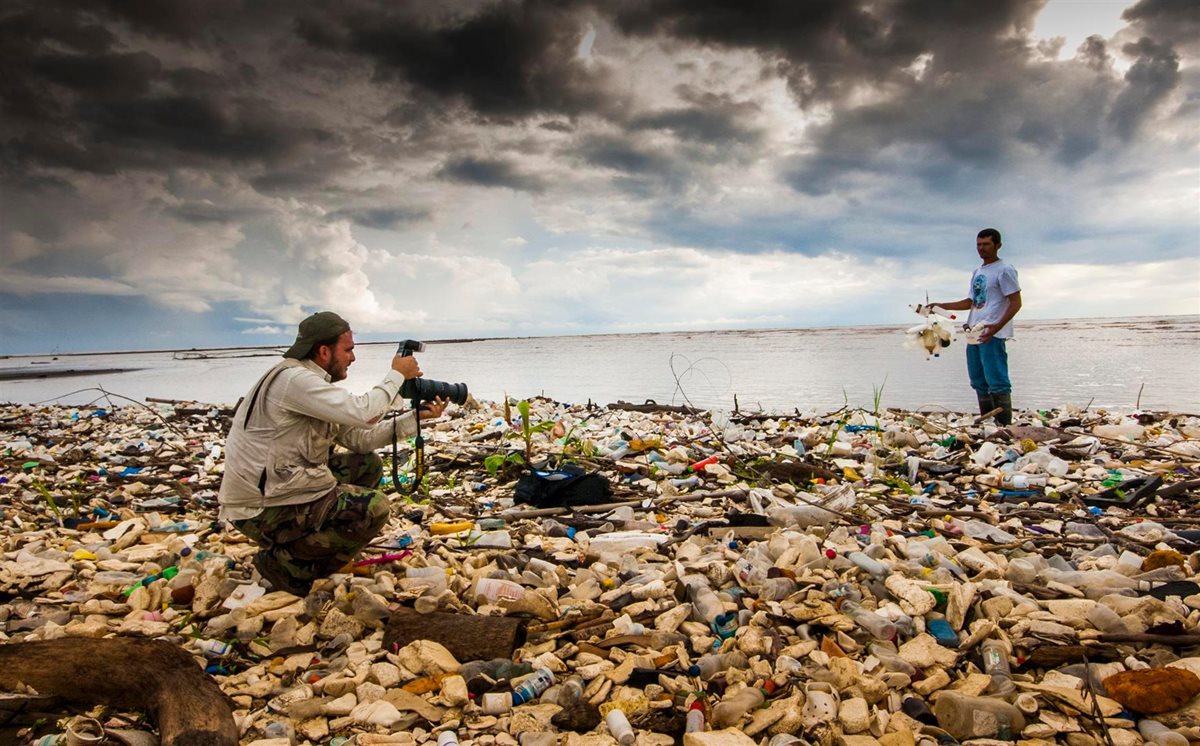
(987, 366)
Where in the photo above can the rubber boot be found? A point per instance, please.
(986, 403)
(1004, 401)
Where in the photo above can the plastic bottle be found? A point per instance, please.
(447, 738)
(1157, 733)
(1017, 481)
(532, 686)
(748, 574)
(496, 703)
(867, 563)
(619, 727)
(880, 627)
(890, 658)
(777, 589)
(1106, 620)
(706, 607)
(963, 716)
(565, 694)
(492, 590)
(995, 664)
(730, 709)
(213, 648)
(708, 666)
(695, 718)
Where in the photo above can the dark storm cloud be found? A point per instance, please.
(1175, 22)
(507, 59)
(710, 118)
(1153, 75)
(826, 47)
(75, 98)
(490, 172)
(382, 218)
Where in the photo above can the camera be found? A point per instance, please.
(426, 389)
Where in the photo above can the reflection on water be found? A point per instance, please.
(1104, 362)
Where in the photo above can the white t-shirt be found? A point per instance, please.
(990, 287)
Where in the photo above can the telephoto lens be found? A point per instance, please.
(427, 389)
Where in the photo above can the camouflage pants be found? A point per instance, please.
(315, 539)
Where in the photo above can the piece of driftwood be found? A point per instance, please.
(1054, 656)
(802, 472)
(467, 637)
(653, 406)
(150, 676)
(1175, 641)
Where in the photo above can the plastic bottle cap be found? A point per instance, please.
(693, 670)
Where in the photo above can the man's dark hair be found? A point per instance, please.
(991, 233)
(328, 342)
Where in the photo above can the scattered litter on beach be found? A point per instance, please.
(850, 577)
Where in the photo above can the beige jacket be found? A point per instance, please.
(277, 452)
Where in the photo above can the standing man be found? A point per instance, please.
(995, 298)
(309, 509)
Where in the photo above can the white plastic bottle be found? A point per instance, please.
(619, 727)
(708, 666)
(1159, 734)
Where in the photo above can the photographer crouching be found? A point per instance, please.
(309, 509)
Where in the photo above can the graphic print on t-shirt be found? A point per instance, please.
(978, 290)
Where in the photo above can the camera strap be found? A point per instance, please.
(418, 452)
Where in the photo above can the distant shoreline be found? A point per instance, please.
(281, 347)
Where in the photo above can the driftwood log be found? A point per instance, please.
(467, 637)
(150, 676)
(653, 406)
(802, 472)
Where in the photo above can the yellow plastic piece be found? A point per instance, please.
(442, 529)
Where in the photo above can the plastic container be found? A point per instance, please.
(730, 710)
(619, 727)
(777, 589)
(496, 703)
(1159, 734)
(706, 607)
(491, 590)
(869, 564)
(621, 542)
(1014, 481)
(995, 664)
(565, 694)
(963, 716)
(879, 627)
(695, 718)
(890, 658)
(447, 738)
(213, 648)
(1106, 620)
(532, 686)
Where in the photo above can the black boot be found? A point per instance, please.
(1004, 401)
(986, 403)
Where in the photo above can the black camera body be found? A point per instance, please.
(427, 389)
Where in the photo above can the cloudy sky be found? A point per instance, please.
(207, 172)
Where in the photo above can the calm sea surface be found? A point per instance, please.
(1104, 362)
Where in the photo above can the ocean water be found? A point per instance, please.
(1104, 363)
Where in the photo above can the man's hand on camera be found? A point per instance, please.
(431, 410)
(406, 366)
